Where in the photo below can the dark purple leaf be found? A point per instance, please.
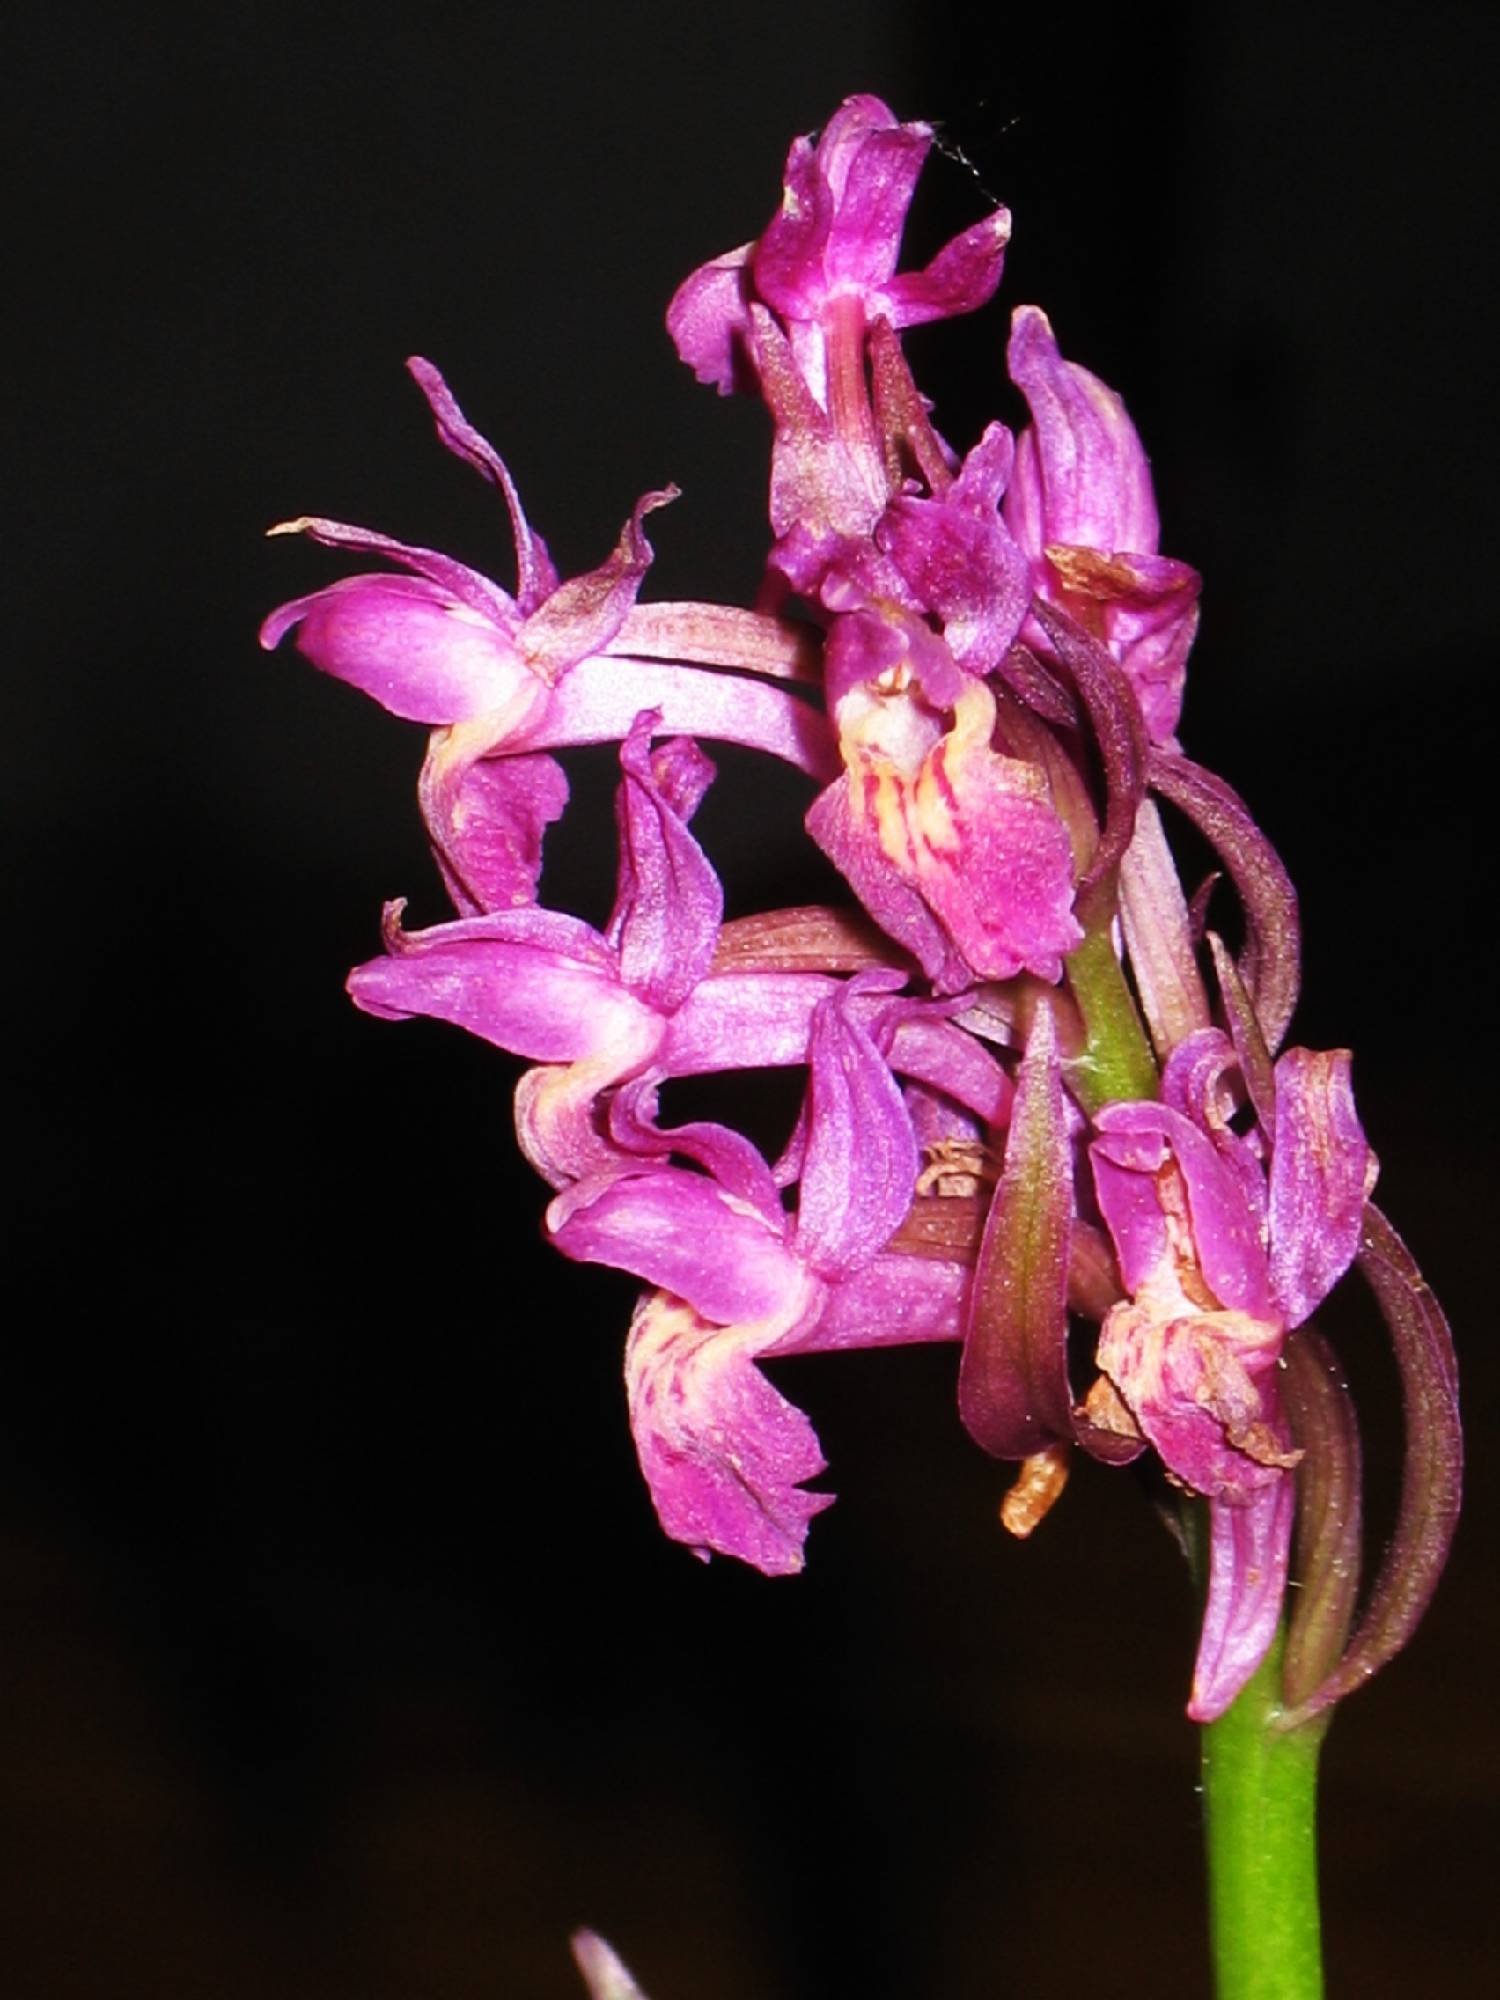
(1115, 718)
(1270, 963)
(1244, 1031)
(1013, 1392)
(1432, 1475)
(1323, 1423)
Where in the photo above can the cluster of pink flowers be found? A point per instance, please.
(1037, 1083)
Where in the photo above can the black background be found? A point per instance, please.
(340, 1654)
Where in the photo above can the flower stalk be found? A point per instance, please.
(1260, 1787)
(1115, 1063)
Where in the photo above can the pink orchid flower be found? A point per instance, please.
(1081, 506)
(596, 1008)
(831, 250)
(737, 1279)
(560, 663)
(953, 847)
(1223, 1253)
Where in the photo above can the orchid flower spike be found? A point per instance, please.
(1038, 1089)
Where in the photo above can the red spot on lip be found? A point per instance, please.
(937, 764)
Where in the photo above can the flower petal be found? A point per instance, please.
(1135, 1141)
(669, 901)
(486, 821)
(1201, 1388)
(744, 1020)
(969, 834)
(894, 1301)
(936, 1053)
(581, 616)
(860, 1165)
(838, 229)
(1081, 473)
(963, 567)
(1249, 1547)
(725, 1455)
(534, 982)
(727, 1157)
(464, 585)
(1321, 1171)
(709, 321)
(839, 823)
(537, 577)
(681, 1232)
(410, 645)
(963, 276)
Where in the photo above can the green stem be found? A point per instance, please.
(1115, 1065)
(1260, 1788)
(1260, 1782)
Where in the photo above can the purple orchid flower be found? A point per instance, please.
(953, 556)
(1081, 506)
(830, 253)
(596, 1008)
(797, 310)
(737, 1279)
(560, 663)
(955, 849)
(1222, 1253)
